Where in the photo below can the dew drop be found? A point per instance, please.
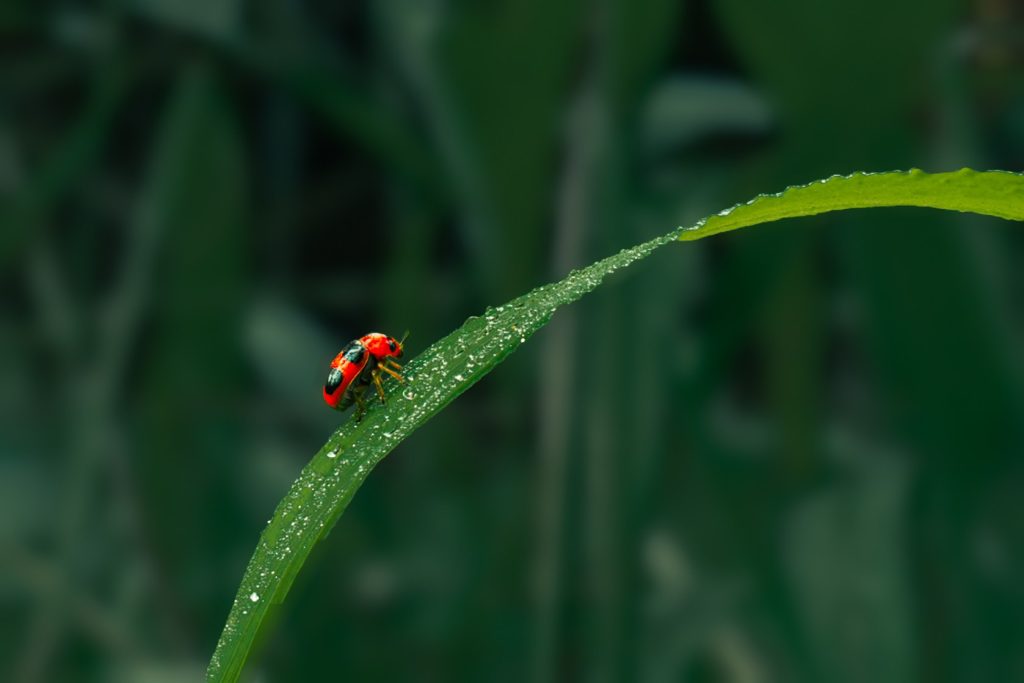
(459, 378)
(408, 393)
(332, 454)
(254, 597)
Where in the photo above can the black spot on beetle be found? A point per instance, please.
(392, 345)
(355, 352)
(334, 378)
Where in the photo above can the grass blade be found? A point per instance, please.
(993, 193)
(450, 366)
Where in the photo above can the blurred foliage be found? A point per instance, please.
(790, 454)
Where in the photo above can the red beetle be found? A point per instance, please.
(359, 364)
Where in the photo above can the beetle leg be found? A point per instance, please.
(391, 372)
(357, 396)
(378, 386)
(394, 362)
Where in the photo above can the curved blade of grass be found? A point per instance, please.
(993, 193)
(450, 366)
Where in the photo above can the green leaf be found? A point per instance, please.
(194, 206)
(450, 366)
(993, 193)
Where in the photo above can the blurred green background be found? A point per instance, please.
(790, 453)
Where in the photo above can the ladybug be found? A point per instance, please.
(361, 362)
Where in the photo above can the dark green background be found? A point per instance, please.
(790, 453)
